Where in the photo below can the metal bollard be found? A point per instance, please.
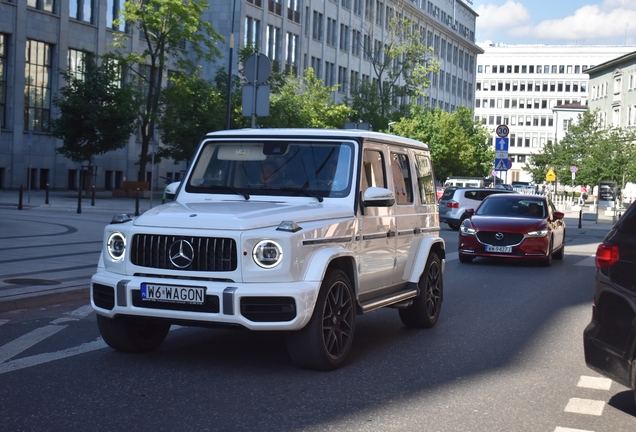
(46, 201)
(79, 199)
(137, 202)
(93, 196)
(20, 198)
(580, 217)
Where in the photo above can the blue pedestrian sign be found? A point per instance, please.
(502, 164)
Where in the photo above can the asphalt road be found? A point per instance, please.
(506, 355)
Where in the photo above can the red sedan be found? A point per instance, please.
(513, 226)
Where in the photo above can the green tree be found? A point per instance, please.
(459, 145)
(305, 103)
(97, 113)
(602, 153)
(402, 64)
(173, 35)
(190, 108)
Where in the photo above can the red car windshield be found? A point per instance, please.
(512, 207)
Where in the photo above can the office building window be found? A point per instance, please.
(4, 40)
(344, 37)
(37, 88)
(273, 43)
(252, 32)
(44, 5)
(81, 10)
(77, 62)
(291, 56)
(318, 26)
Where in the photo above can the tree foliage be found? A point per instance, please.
(459, 145)
(601, 153)
(305, 103)
(191, 107)
(97, 113)
(401, 64)
(174, 35)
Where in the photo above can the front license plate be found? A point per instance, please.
(172, 294)
(499, 249)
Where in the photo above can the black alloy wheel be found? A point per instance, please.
(425, 310)
(325, 341)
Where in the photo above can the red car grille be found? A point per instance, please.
(508, 239)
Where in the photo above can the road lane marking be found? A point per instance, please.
(26, 341)
(48, 357)
(595, 383)
(3, 321)
(562, 429)
(585, 406)
(75, 315)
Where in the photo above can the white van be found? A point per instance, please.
(473, 182)
(295, 230)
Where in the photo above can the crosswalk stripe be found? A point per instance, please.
(26, 341)
(595, 383)
(75, 315)
(48, 357)
(562, 429)
(3, 321)
(585, 406)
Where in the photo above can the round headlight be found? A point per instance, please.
(116, 246)
(267, 254)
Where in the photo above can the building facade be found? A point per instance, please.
(522, 85)
(38, 38)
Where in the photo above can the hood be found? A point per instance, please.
(508, 224)
(238, 215)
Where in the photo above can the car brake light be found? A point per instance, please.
(606, 255)
(452, 204)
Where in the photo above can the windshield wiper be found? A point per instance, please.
(304, 192)
(233, 189)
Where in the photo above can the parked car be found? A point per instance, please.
(455, 201)
(610, 339)
(513, 226)
(357, 231)
(503, 186)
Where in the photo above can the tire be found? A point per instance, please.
(561, 252)
(425, 310)
(454, 227)
(465, 259)
(323, 344)
(135, 336)
(547, 261)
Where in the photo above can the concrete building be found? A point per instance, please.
(613, 97)
(522, 85)
(40, 37)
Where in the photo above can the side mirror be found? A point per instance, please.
(378, 197)
(469, 212)
(559, 215)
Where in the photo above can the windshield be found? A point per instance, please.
(288, 168)
(512, 207)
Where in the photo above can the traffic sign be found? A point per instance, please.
(502, 131)
(501, 164)
(550, 176)
(573, 169)
(501, 148)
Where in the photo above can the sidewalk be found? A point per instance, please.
(48, 252)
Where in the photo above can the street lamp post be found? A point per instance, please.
(391, 124)
(229, 71)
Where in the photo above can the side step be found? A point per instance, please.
(389, 299)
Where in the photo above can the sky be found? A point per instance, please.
(556, 22)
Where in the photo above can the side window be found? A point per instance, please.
(628, 223)
(373, 170)
(425, 179)
(401, 178)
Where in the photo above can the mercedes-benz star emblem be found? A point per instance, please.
(499, 236)
(181, 253)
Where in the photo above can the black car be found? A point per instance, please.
(610, 339)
